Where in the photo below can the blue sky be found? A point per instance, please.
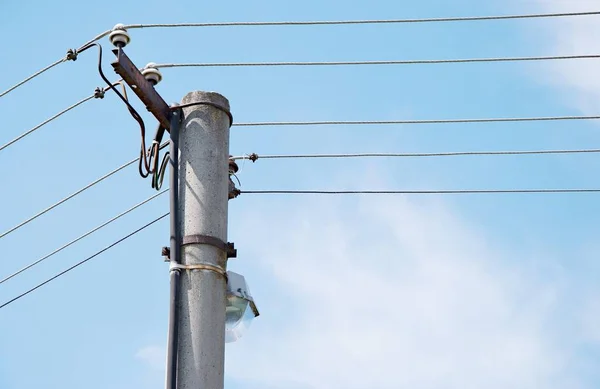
(355, 292)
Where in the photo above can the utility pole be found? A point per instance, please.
(202, 218)
(200, 191)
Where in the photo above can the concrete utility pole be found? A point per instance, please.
(202, 216)
(200, 190)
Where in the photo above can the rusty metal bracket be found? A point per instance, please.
(228, 247)
(166, 252)
(142, 88)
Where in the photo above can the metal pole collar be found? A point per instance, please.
(211, 241)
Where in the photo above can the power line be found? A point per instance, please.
(399, 62)
(115, 218)
(425, 121)
(82, 262)
(372, 21)
(254, 157)
(457, 191)
(311, 23)
(69, 197)
(34, 75)
(23, 135)
(71, 55)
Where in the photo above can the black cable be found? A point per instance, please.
(82, 262)
(159, 175)
(143, 156)
(254, 157)
(174, 254)
(456, 191)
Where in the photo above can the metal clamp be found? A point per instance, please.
(71, 55)
(211, 241)
(199, 266)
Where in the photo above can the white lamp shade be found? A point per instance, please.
(240, 309)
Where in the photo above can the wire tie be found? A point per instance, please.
(200, 266)
(99, 93)
(72, 55)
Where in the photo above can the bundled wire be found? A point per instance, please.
(159, 174)
(149, 159)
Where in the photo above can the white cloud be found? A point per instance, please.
(153, 356)
(569, 36)
(390, 293)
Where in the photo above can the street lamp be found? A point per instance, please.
(240, 309)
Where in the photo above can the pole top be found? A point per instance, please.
(212, 99)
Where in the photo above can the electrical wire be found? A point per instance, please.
(72, 195)
(82, 262)
(310, 23)
(372, 21)
(34, 75)
(58, 62)
(90, 232)
(398, 62)
(254, 157)
(426, 121)
(143, 154)
(77, 104)
(23, 135)
(457, 191)
(159, 174)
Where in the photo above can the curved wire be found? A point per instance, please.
(82, 262)
(159, 175)
(94, 39)
(132, 111)
(115, 218)
(372, 21)
(72, 195)
(393, 62)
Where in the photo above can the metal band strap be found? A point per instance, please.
(211, 241)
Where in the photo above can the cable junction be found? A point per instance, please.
(70, 56)
(254, 157)
(90, 232)
(82, 262)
